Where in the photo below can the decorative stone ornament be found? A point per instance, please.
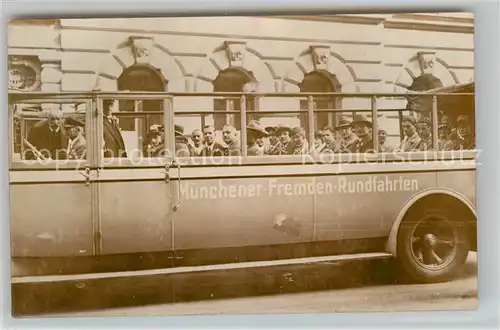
(141, 48)
(320, 56)
(426, 62)
(24, 73)
(236, 52)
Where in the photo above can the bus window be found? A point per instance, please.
(136, 135)
(279, 127)
(47, 132)
(207, 128)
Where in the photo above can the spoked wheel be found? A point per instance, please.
(432, 245)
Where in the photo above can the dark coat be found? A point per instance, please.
(114, 145)
(50, 144)
(217, 150)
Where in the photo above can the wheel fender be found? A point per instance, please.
(391, 246)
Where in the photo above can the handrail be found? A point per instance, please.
(82, 96)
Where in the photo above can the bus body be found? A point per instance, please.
(101, 215)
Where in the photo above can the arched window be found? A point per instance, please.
(141, 78)
(134, 129)
(232, 80)
(319, 82)
(422, 105)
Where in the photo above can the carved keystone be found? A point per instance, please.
(426, 62)
(235, 52)
(320, 56)
(141, 48)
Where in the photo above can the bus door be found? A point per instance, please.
(52, 190)
(135, 211)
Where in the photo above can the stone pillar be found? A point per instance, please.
(51, 81)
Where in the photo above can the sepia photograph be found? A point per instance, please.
(242, 165)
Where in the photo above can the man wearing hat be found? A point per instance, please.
(462, 138)
(272, 147)
(77, 144)
(283, 134)
(154, 142)
(411, 140)
(349, 140)
(424, 131)
(181, 147)
(362, 128)
(255, 135)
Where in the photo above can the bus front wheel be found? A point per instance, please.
(432, 245)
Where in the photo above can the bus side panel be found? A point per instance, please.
(463, 182)
(217, 213)
(135, 216)
(51, 220)
(364, 205)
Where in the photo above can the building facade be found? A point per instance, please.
(342, 53)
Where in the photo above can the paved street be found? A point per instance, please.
(326, 291)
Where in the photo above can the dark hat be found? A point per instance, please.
(255, 126)
(73, 122)
(424, 120)
(318, 133)
(361, 119)
(179, 130)
(463, 119)
(282, 128)
(410, 119)
(271, 129)
(343, 122)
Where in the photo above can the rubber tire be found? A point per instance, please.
(411, 270)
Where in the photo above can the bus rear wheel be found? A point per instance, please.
(432, 245)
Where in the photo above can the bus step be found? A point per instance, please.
(197, 269)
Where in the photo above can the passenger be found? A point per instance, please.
(462, 138)
(349, 140)
(77, 144)
(362, 127)
(154, 142)
(255, 136)
(211, 148)
(411, 140)
(181, 148)
(283, 132)
(230, 138)
(299, 145)
(196, 143)
(274, 141)
(328, 139)
(114, 146)
(382, 141)
(47, 138)
(318, 142)
(444, 143)
(424, 131)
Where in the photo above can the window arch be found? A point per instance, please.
(232, 80)
(320, 82)
(422, 105)
(141, 77)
